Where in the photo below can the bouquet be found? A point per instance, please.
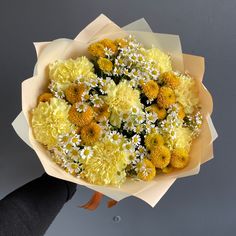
(121, 111)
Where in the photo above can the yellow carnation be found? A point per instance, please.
(49, 120)
(163, 61)
(107, 165)
(66, 72)
(121, 98)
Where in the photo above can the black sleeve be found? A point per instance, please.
(30, 209)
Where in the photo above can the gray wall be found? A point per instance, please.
(198, 205)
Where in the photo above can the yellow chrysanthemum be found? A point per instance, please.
(67, 71)
(90, 133)
(45, 97)
(101, 113)
(150, 89)
(120, 99)
(170, 79)
(107, 165)
(166, 97)
(187, 94)
(96, 50)
(152, 140)
(179, 158)
(160, 156)
(161, 112)
(146, 170)
(105, 64)
(108, 43)
(162, 59)
(121, 42)
(80, 118)
(74, 92)
(168, 169)
(49, 120)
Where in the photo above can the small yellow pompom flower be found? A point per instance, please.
(96, 50)
(80, 118)
(166, 97)
(107, 165)
(161, 112)
(90, 133)
(49, 120)
(153, 140)
(105, 64)
(146, 170)
(179, 158)
(74, 92)
(66, 72)
(160, 156)
(168, 169)
(101, 113)
(150, 89)
(108, 43)
(162, 60)
(170, 79)
(45, 97)
(121, 42)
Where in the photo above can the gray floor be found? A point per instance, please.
(199, 205)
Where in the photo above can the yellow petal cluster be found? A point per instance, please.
(107, 165)
(65, 72)
(163, 61)
(49, 120)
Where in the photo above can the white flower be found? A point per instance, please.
(81, 107)
(115, 137)
(129, 147)
(75, 140)
(96, 100)
(74, 153)
(151, 117)
(136, 139)
(86, 152)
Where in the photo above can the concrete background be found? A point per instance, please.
(198, 205)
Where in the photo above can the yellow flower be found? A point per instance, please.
(107, 165)
(96, 50)
(102, 112)
(74, 92)
(65, 72)
(108, 43)
(150, 89)
(105, 64)
(90, 133)
(170, 79)
(120, 99)
(163, 61)
(168, 169)
(146, 170)
(49, 120)
(179, 158)
(160, 156)
(45, 97)
(121, 42)
(183, 138)
(166, 97)
(161, 112)
(153, 139)
(80, 118)
(181, 113)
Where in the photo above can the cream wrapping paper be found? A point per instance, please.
(150, 192)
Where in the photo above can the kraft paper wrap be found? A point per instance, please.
(102, 27)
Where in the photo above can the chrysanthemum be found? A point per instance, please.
(49, 120)
(101, 112)
(90, 133)
(168, 169)
(166, 97)
(105, 64)
(150, 89)
(121, 98)
(80, 118)
(161, 112)
(160, 156)
(152, 140)
(162, 60)
(170, 79)
(86, 152)
(67, 71)
(107, 166)
(74, 92)
(183, 138)
(179, 158)
(45, 97)
(110, 44)
(121, 43)
(146, 170)
(96, 50)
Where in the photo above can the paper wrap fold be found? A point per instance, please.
(102, 27)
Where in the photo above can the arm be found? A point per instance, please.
(30, 209)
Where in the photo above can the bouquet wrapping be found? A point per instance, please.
(64, 49)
